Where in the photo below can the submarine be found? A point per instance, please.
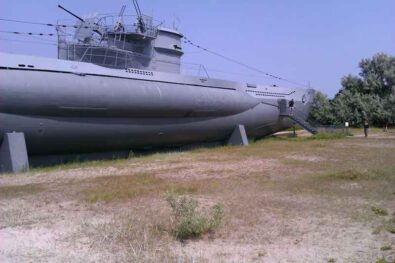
(117, 86)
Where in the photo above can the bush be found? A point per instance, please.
(349, 174)
(391, 229)
(380, 260)
(385, 248)
(379, 211)
(189, 221)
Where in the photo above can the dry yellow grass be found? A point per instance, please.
(284, 200)
(10, 191)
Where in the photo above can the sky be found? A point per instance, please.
(310, 42)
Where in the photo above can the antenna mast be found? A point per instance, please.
(119, 24)
(85, 23)
(71, 13)
(140, 21)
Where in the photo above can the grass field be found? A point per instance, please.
(305, 199)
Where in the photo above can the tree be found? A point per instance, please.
(321, 109)
(371, 95)
(352, 83)
(378, 74)
(389, 109)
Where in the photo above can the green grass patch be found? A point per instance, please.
(386, 248)
(379, 211)
(183, 189)
(12, 191)
(328, 135)
(189, 222)
(317, 136)
(297, 128)
(350, 174)
(386, 172)
(388, 225)
(108, 188)
(391, 225)
(68, 165)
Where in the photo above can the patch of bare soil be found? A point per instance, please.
(278, 207)
(216, 169)
(308, 158)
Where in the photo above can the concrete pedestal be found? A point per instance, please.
(239, 136)
(13, 153)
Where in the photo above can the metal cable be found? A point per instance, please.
(187, 41)
(27, 33)
(43, 24)
(26, 41)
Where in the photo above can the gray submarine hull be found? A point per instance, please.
(74, 107)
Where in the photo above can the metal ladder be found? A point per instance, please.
(284, 112)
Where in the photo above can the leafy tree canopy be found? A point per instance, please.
(371, 95)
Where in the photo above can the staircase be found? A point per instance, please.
(296, 116)
(305, 125)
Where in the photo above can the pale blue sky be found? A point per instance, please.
(317, 41)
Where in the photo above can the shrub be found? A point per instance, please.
(379, 211)
(189, 221)
(380, 260)
(385, 248)
(391, 229)
(362, 174)
(350, 174)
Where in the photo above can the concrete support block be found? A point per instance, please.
(13, 153)
(239, 136)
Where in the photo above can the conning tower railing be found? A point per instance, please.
(107, 41)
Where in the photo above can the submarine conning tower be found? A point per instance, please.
(167, 51)
(120, 42)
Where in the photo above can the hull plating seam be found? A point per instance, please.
(110, 76)
(268, 93)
